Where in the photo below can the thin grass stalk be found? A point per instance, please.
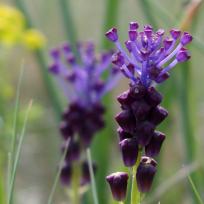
(93, 184)
(15, 120)
(200, 201)
(53, 189)
(9, 170)
(68, 24)
(17, 154)
(42, 65)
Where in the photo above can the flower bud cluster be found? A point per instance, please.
(151, 57)
(83, 86)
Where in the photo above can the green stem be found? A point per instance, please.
(69, 25)
(148, 13)
(50, 198)
(120, 202)
(111, 17)
(76, 184)
(135, 194)
(42, 65)
(93, 185)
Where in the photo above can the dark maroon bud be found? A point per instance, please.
(154, 72)
(162, 77)
(54, 69)
(137, 91)
(122, 134)
(98, 108)
(154, 146)
(129, 149)
(145, 174)
(125, 99)
(66, 130)
(85, 177)
(153, 97)
(118, 185)
(134, 26)
(140, 109)
(126, 120)
(73, 151)
(144, 132)
(66, 174)
(133, 35)
(157, 115)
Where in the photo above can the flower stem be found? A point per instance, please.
(135, 194)
(120, 202)
(76, 183)
(93, 185)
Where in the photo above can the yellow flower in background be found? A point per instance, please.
(13, 29)
(33, 39)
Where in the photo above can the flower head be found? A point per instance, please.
(151, 54)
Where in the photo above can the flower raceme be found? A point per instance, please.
(151, 57)
(13, 29)
(83, 86)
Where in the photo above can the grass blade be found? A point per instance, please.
(93, 184)
(17, 157)
(69, 25)
(42, 65)
(200, 201)
(50, 198)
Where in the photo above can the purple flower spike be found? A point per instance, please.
(118, 185)
(154, 146)
(149, 51)
(145, 174)
(129, 149)
(112, 35)
(186, 38)
(183, 55)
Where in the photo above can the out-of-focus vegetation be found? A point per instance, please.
(21, 25)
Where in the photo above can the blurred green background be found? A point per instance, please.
(184, 97)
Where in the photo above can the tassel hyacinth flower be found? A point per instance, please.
(150, 57)
(84, 88)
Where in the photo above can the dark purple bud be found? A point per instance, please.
(67, 48)
(157, 115)
(70, 58)
(118, 184)
(118, 59)
(145, 174)
(154, 72)
(153, 97)
(167, 43)
(123, 135)
(55, 53)
(175, 33)
(186, 38)
(131, 68)
(54, 69)
(86, 135)
(66, 130)
(66, 174)
(183, 55)
(140, 109)
(85, 177)
(125, 99)
(134, 26)
(128, 45)
(137, 91)
(73, 151)
(133, 35)
(148, 27)
(112, 35)
(126, 120)
(144, 132)
(129, 149)
(144, 54)
(98, 108)
(148, 32)
(154, 146)
(162, 77)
